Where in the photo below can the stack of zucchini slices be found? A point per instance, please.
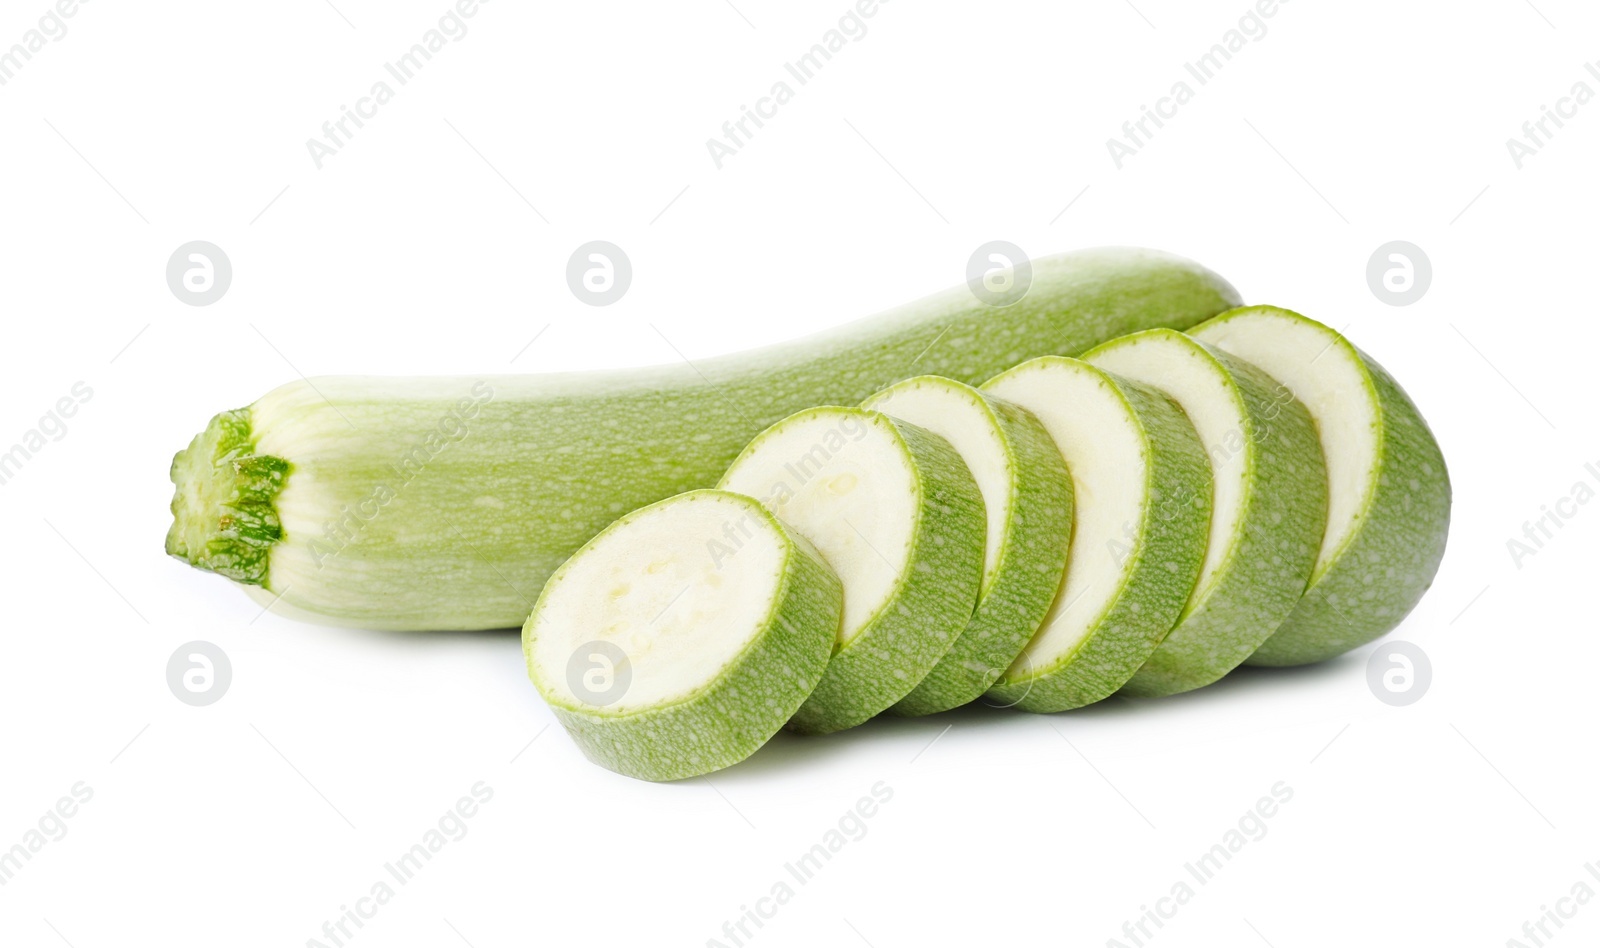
(1140, 520)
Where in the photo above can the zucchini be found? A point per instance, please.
(1388, 489)
(1027, 498)
(1142, 494)
(666, 653)
(898, 516)
(1269, 503)
(440, 503)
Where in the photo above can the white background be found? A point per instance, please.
(418, 249)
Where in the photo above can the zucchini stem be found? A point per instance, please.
(224, 506)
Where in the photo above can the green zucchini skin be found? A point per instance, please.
(465, 539)
(1384, 569)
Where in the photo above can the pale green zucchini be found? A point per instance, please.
(1027, 496)
(1388, 489)
(443, 503)
(1142, 503)
(668, 653)
(1269, 503)
(895, 512)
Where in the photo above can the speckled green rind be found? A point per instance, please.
(224, 513)
(1382, 570)
(1031, 559)
(551, 459)
(730, 717)
(1273, 550)
(932, 601)
(1163, 564)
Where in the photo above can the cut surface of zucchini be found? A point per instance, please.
(895, 512)
(684, 636)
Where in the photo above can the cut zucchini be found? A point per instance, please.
(1027, 499)
(670, 646)
(1388, 488)
(1142, 498)
(1268, 509)
(895, 512)
(440, 503)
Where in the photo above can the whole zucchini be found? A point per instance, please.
(445, 503)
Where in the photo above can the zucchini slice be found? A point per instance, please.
(898, 516)
(1388, 488)
(1269, 503)
(1027, 497)
(680, 639)
(1142, 499)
